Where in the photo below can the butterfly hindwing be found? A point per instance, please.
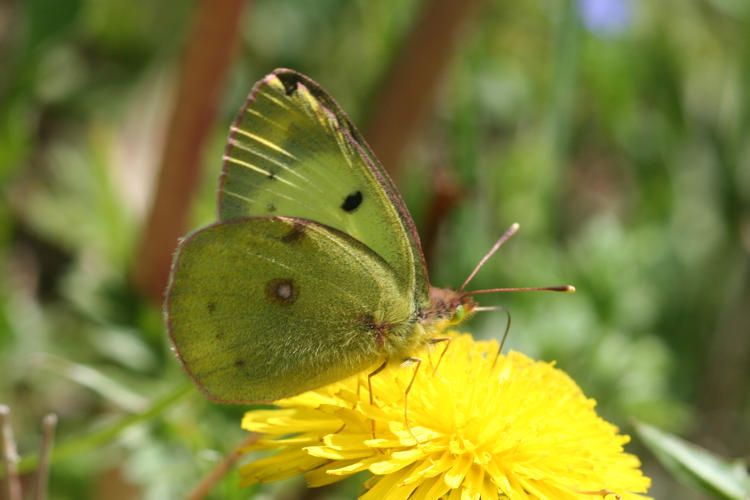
(293, 152)
(264, 308)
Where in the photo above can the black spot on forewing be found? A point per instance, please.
(271, 175)
(211, 306)
(282, 291)
(239, 362)
(295, 233)
(352, 202)
(290, 82)
(271, 207)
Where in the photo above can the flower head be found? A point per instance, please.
(486, 426)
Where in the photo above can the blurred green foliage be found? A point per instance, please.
(621, 145)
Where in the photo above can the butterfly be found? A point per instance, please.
(314, 271)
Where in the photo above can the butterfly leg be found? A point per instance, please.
(447, 341)
(603, 493)
(418, 361)
(369, 387)
(505, 336)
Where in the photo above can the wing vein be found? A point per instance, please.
(257, 169)
(263, 141)
(292, 171)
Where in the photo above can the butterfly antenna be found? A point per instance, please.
(510, 232)
(563, 288)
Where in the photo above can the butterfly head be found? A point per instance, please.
(448, 306)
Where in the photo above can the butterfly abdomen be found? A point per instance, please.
(395, 331)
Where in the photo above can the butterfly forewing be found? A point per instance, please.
(292, 152)
(265, 308)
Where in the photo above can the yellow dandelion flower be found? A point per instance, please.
(485, 428)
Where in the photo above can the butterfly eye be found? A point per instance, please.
(458, 315)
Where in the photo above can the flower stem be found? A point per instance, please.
(103, 436)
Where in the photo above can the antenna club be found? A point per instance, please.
(570, 289)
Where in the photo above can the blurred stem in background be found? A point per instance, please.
(406, 94)
(561, 107)
(9, 456)
(409, 87)
(100, 437)
(208, 56)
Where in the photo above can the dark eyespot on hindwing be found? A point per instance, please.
(352, 202)
(282, 291)
(271, 207)
(211, 306)
(290, 83)
(239, 362)
(295, 233)
(271, 175)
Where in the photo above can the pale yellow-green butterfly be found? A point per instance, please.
(314, 271)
